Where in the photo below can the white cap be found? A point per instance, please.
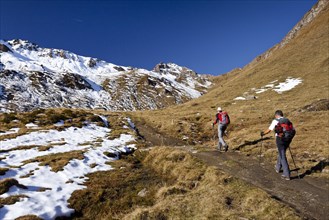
(219, 109)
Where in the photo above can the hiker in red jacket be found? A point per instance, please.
(284, 133)
(223, 121)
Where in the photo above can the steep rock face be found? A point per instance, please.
(306, 20)
(33, 77)
(308, 17)
(182, 73)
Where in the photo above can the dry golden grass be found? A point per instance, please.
(306, 56)
(3, 170)
(202, 192)
(111, 194)
(176, 186)
(58, 160)
(5, 184)
(29, 217)
(10, 200)
(26, 147)
(45, 119)
(22, 130)
(47, 147)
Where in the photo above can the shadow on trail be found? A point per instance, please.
(317, 168)
(249, 143)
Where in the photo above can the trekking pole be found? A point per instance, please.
(261, 147)
(213, 135)
(293, 160)
(214, 138)
(226, 133)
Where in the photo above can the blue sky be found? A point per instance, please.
(207, 36)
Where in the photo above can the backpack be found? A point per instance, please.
(223, 118)
(285, 129)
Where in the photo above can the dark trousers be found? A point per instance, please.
(282, 162)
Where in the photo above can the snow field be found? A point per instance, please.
(58, 186)
(287, 85)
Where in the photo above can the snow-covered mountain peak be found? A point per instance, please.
(35, 77)
(172, 68)
(18, 44)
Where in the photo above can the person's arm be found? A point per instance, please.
(271, 128)
(216, 120)
(265, 132)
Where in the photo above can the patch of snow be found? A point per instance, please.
(131, 124)
(10, 131)
(239, 98)
(258, 91)
(51, 203)
(269, 86)
(104, 119)
(289, 84)
(94, 85)
(208, 83)
(60, 123)
(31, 125)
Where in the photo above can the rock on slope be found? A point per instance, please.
(33, 77)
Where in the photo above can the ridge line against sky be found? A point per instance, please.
(207, 36)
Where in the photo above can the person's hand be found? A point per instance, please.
(262, 133)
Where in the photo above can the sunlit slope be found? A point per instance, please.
(305, 57)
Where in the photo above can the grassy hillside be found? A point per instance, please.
(306, 57)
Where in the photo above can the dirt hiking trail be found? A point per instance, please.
(308, 196)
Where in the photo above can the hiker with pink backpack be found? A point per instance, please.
(223, 120)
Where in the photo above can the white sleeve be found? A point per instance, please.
(272, 126)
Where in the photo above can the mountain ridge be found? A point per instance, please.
(294, 32)
(86, 82)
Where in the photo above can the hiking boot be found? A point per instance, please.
(226, 148)
(276, 170)
(285, 177)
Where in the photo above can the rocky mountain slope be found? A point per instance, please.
(33, 77)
